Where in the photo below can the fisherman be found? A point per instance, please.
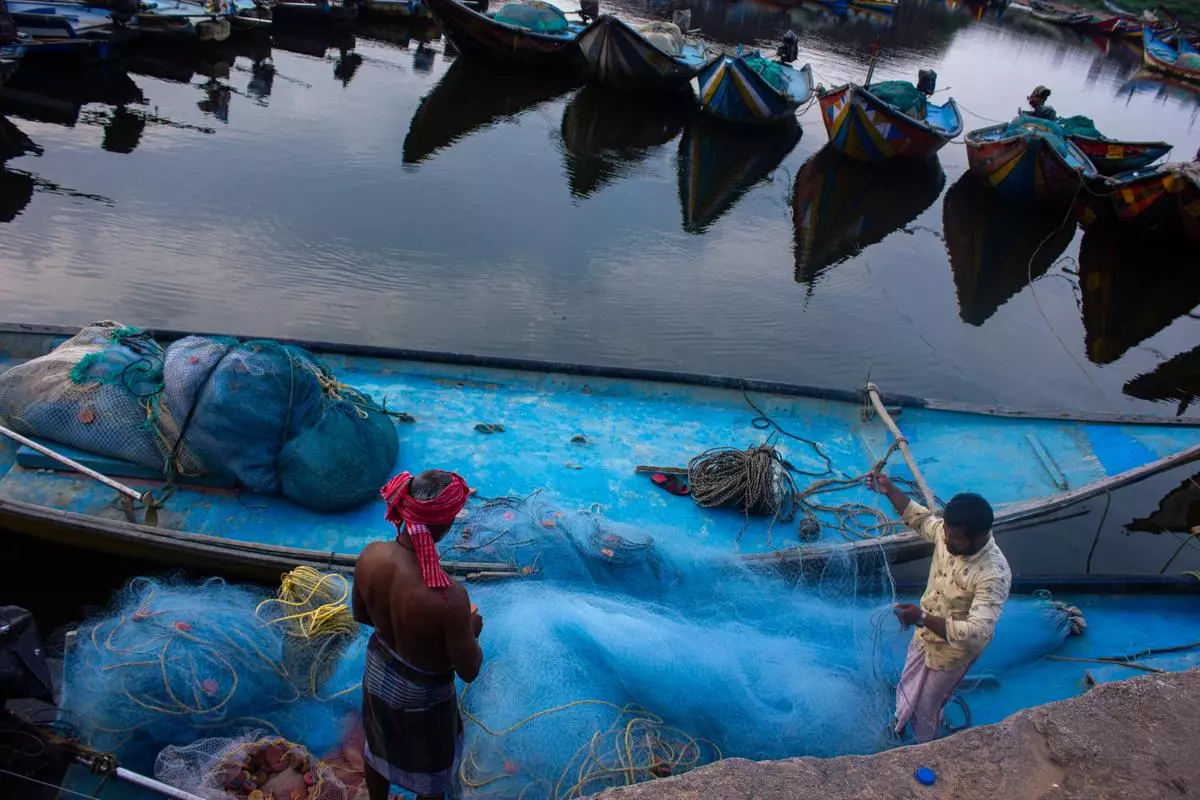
(426, 631)
(969, 581)
(1037, 104)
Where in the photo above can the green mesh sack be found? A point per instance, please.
(901, 95)
(534, 16)
(1049, 130)
(1080, 126)
(770, 71)
(1189, 61)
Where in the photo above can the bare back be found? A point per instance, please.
(429, 628)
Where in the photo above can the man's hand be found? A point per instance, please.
(878, 482)
(908, 614)
(476, 620)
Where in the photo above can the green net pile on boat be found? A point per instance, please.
(1080, 125)
(770, 71)
(265, 416)
(901, 95)
(1189, 61)
(533, 16)
(1051, 132)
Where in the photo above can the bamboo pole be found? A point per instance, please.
(873, 394)
(132, 494)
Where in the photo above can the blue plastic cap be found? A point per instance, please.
(925, 776)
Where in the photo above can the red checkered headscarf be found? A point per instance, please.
(417, 515)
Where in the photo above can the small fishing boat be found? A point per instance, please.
(841, 207)
(607, 134)
(996, 248)
(470, 97)
(407, 10)
(752, 88)
(1162, 200)
(534, 34)
(1109, 156)
(315, 11)
(1179, 59)
(719, 163)
(1028, 162)
(657, 57)
(566, 430)
(1059, 15)
(1113, 26)
(867, 127)
(52, 28)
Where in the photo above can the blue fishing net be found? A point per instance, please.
(1080, 125)
(901, 95)
(533, 16)
(1048, 130)
(174, 661)
(770, 71)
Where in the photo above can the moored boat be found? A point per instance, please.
(1162, 200)
(566, 430)
(407, 10)
(658, 57)
(1113, 26)
(752, 88)
(719, 163)
(1111, 156)
(867, 127)
(1178, 59)
(1059, 15)
(1028, 162)
(315, 11)
(52, 28)
(533, 34)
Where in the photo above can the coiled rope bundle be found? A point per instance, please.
(756, 480)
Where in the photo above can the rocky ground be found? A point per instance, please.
(1135, 739)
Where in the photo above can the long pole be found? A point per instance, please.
(873, 394)
(132, 494)
(143, 782)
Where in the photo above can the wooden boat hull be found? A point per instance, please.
(840, 206)
(479, 36)
(1160, 55)
(865, 128)
(621, 58)
(1160, 201)
(1033, 469)
(996, 248)
(732, 91)
(1111, 157)
(718, 163)
(1026, 168)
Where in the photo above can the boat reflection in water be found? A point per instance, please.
(1177, 380)
(16, 187)
(718, 163)
(316, 41)
(1132, 289)
(606, 134)
(472, 96)
(57, 94)
(996, 248)
(841, 206)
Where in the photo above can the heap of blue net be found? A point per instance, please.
(903, 96)
(536, 16)
(269, 417)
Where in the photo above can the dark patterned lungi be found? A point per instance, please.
(410, 717)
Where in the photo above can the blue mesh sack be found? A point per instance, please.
(98, 391)
(341, 457)
(533, 16)
(1052, 132)
(902, 95)
(237, 404)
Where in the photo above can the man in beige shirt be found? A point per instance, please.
(968, 584)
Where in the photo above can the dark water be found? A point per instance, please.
(377, 191)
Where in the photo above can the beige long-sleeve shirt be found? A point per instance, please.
(967, 591)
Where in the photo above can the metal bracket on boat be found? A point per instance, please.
(882, 412)
(127, 494)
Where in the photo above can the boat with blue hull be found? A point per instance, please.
(865, 127)
(589, 437)
(656, 58)
(1025, 162)
(545, 41)
(52, 28)
(753, 89)
(1176, 57)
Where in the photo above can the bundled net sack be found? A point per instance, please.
(770, 71)
(98, 391)
(1080, 125)
(1189, 61)
(1052, 132)
(903, 96)
(533, 16)
(273, 418)
(253, 765)
(666, 36)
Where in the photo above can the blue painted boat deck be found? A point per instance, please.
(627, 423)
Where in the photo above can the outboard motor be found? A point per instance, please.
(926, 82)
(789, 48)
(589, 9)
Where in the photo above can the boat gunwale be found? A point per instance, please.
(648, 375)
(1086, 171)
(919, 124)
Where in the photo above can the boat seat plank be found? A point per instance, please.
(29, 458)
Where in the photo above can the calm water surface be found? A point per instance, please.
(376, 191)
